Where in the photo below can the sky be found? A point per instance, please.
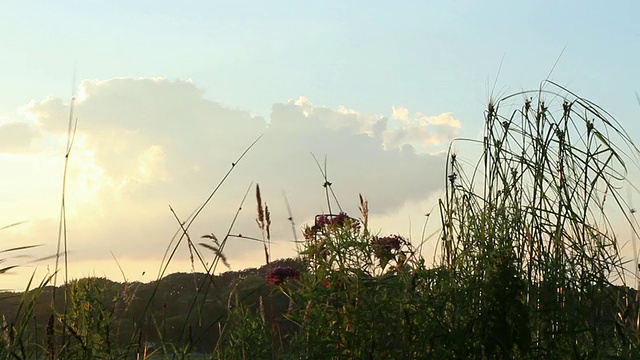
(169, 94)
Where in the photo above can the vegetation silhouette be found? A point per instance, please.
(528, 265)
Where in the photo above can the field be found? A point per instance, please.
(528, 265)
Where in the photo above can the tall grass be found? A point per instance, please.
(529, 265)
(528, 232)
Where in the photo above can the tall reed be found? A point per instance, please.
(528, 231)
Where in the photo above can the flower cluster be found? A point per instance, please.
(332, 220)
(326, 221)
(281, 274)
(383, 247)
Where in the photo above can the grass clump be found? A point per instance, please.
(528, 231)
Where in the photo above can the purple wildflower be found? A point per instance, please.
(281, 274)
(330, 220)
(384, 247)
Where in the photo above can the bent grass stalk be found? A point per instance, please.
(184, 227)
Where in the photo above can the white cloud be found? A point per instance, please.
(445, 119)
(401, 113)
(16, 137)
(427, 132)
(145, 144)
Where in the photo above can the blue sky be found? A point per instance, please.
(160, 78)
(367, 55)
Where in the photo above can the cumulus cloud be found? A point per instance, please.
(145, 144)
(418, 128)
(16, 137)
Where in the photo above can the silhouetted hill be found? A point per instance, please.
(174, 308)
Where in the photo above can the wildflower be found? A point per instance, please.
(384, 247)
(281, 274)
(338, 221)
(309, 232)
